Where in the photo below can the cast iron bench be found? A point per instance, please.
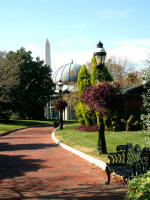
(128, 162)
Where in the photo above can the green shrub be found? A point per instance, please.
(139, 188)
(113, 122)
(14, 116)
(83, 80)
(85, 115)
(133, 123)
(94, 73)
(129, 123)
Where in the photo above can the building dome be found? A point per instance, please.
(67, 73)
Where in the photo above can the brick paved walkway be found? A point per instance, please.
(32, 166)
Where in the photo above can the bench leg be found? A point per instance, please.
(108, 172)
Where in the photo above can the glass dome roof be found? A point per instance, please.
(67, 73)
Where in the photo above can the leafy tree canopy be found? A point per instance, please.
(29, 85)
(124, 72)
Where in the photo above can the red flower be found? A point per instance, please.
(60, 104)
(101, 97)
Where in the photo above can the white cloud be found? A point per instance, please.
(111, 14)
(79, 57)
(132, 53)
(144, 42)
(136, 51)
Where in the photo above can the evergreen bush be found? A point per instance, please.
(83, 80)
(94, 73)
(113, 121)
(85, 115)
(139, 188)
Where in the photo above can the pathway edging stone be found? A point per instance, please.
(11, 131)
(16, 129)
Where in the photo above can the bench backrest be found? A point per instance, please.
(132, 155)
(122, 150)
(129, 154)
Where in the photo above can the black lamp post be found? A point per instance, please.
(60, 86)
(100, 56)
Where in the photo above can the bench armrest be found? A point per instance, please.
(116, 157)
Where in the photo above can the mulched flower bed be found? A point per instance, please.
(85, 128)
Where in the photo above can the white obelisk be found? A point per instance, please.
(47, 53)
(47, 62)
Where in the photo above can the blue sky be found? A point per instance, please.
(74, 27)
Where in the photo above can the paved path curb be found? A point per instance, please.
(90, 159)
(11, 131)
(18, 129)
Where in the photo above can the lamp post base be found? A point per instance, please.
(61, 120)
(61, 126)
(101, 147)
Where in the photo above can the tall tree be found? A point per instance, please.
(9, 74)
(94, 73)
(83, 79)
(33, 86)
(84, 115)
(145, 116)
(124, 72)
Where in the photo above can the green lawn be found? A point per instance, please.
(87, 141)
(10, 125)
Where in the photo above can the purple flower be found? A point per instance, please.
(60, 104)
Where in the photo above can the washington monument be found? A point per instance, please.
(47, 62)
(47, 53)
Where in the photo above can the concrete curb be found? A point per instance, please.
(90, 159)
(11, 131)
(17, 129)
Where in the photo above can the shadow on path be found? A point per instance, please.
(32, 146)
(12, 166)
(82, 192)
(6, 138)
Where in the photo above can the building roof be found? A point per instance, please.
(67, 73)
(133, 89)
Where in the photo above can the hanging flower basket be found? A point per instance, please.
(101, 97)
(60, 104)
